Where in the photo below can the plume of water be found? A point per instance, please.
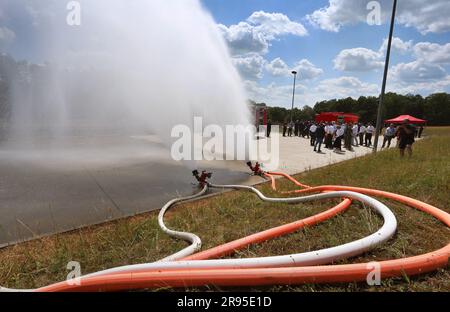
(130, 67)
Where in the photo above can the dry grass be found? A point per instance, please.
(235, 214)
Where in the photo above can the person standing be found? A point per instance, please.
(338, 139)
(361, 133)
(312, 133)
(370, 130)
(320, 134)
(327, 139)
(290, 128)
(296, 127)
(405, 134)
(355, 135)
(348, 137)
(284, 129)
(301, 129)
(388, 135)
(268, 128)
(332, 130)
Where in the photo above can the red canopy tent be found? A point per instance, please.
(401, 118)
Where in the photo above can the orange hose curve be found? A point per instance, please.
(290, 178)
(272, 179)
(232, 246)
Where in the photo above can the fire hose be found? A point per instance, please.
(289, 269)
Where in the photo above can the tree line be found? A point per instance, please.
(434, 108)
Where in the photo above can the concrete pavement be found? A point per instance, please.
(42, 194)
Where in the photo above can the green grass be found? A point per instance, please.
(236, 214)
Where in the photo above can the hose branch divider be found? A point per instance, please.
(200, 270)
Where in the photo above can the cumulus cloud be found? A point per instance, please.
(422, 87)
(425, 16)
(244, 38)
(337, 14)
(306, 70)
(397, 45)
(277, 67)
(274, 94)
(255, 34)
(276, 24)
(417, 71)
(363, 59)
(358, 60)
(250, 66)
(281, 95)
(6, 35)
(433, 52)
(346, 86)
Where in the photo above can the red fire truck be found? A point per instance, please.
(337, 117)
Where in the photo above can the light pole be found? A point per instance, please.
(293, 94)
(383, 86)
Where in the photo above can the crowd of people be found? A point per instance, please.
(334, 135)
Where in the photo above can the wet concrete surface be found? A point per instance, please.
(41, 194)
(46, 190)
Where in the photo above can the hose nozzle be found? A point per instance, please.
(256, 170)
(202, 178)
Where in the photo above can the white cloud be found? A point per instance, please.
(425, 74)
(244, 38)
(346, 86)
(433, 52)
(250, 66)
(358, 60)
(6, 35)
(274, 94)
(416, 72)
(281, 95)
(277, 67)
(425, 16)
(397, 45)
(255, 34)
(276, 24)
(337, 14)
(307, 70)
(424, 87)
(363, 59)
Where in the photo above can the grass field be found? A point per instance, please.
(218, 219)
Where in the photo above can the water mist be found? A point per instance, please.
(130, 68)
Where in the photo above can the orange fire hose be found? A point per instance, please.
(228, 248)
(231, 247)
(271, 174)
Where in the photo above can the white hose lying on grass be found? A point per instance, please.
(317, 257)
(196, 242)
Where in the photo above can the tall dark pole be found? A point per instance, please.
(293, 94)
(383, 86)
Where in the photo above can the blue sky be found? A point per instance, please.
(338, 45)
(329, 42)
